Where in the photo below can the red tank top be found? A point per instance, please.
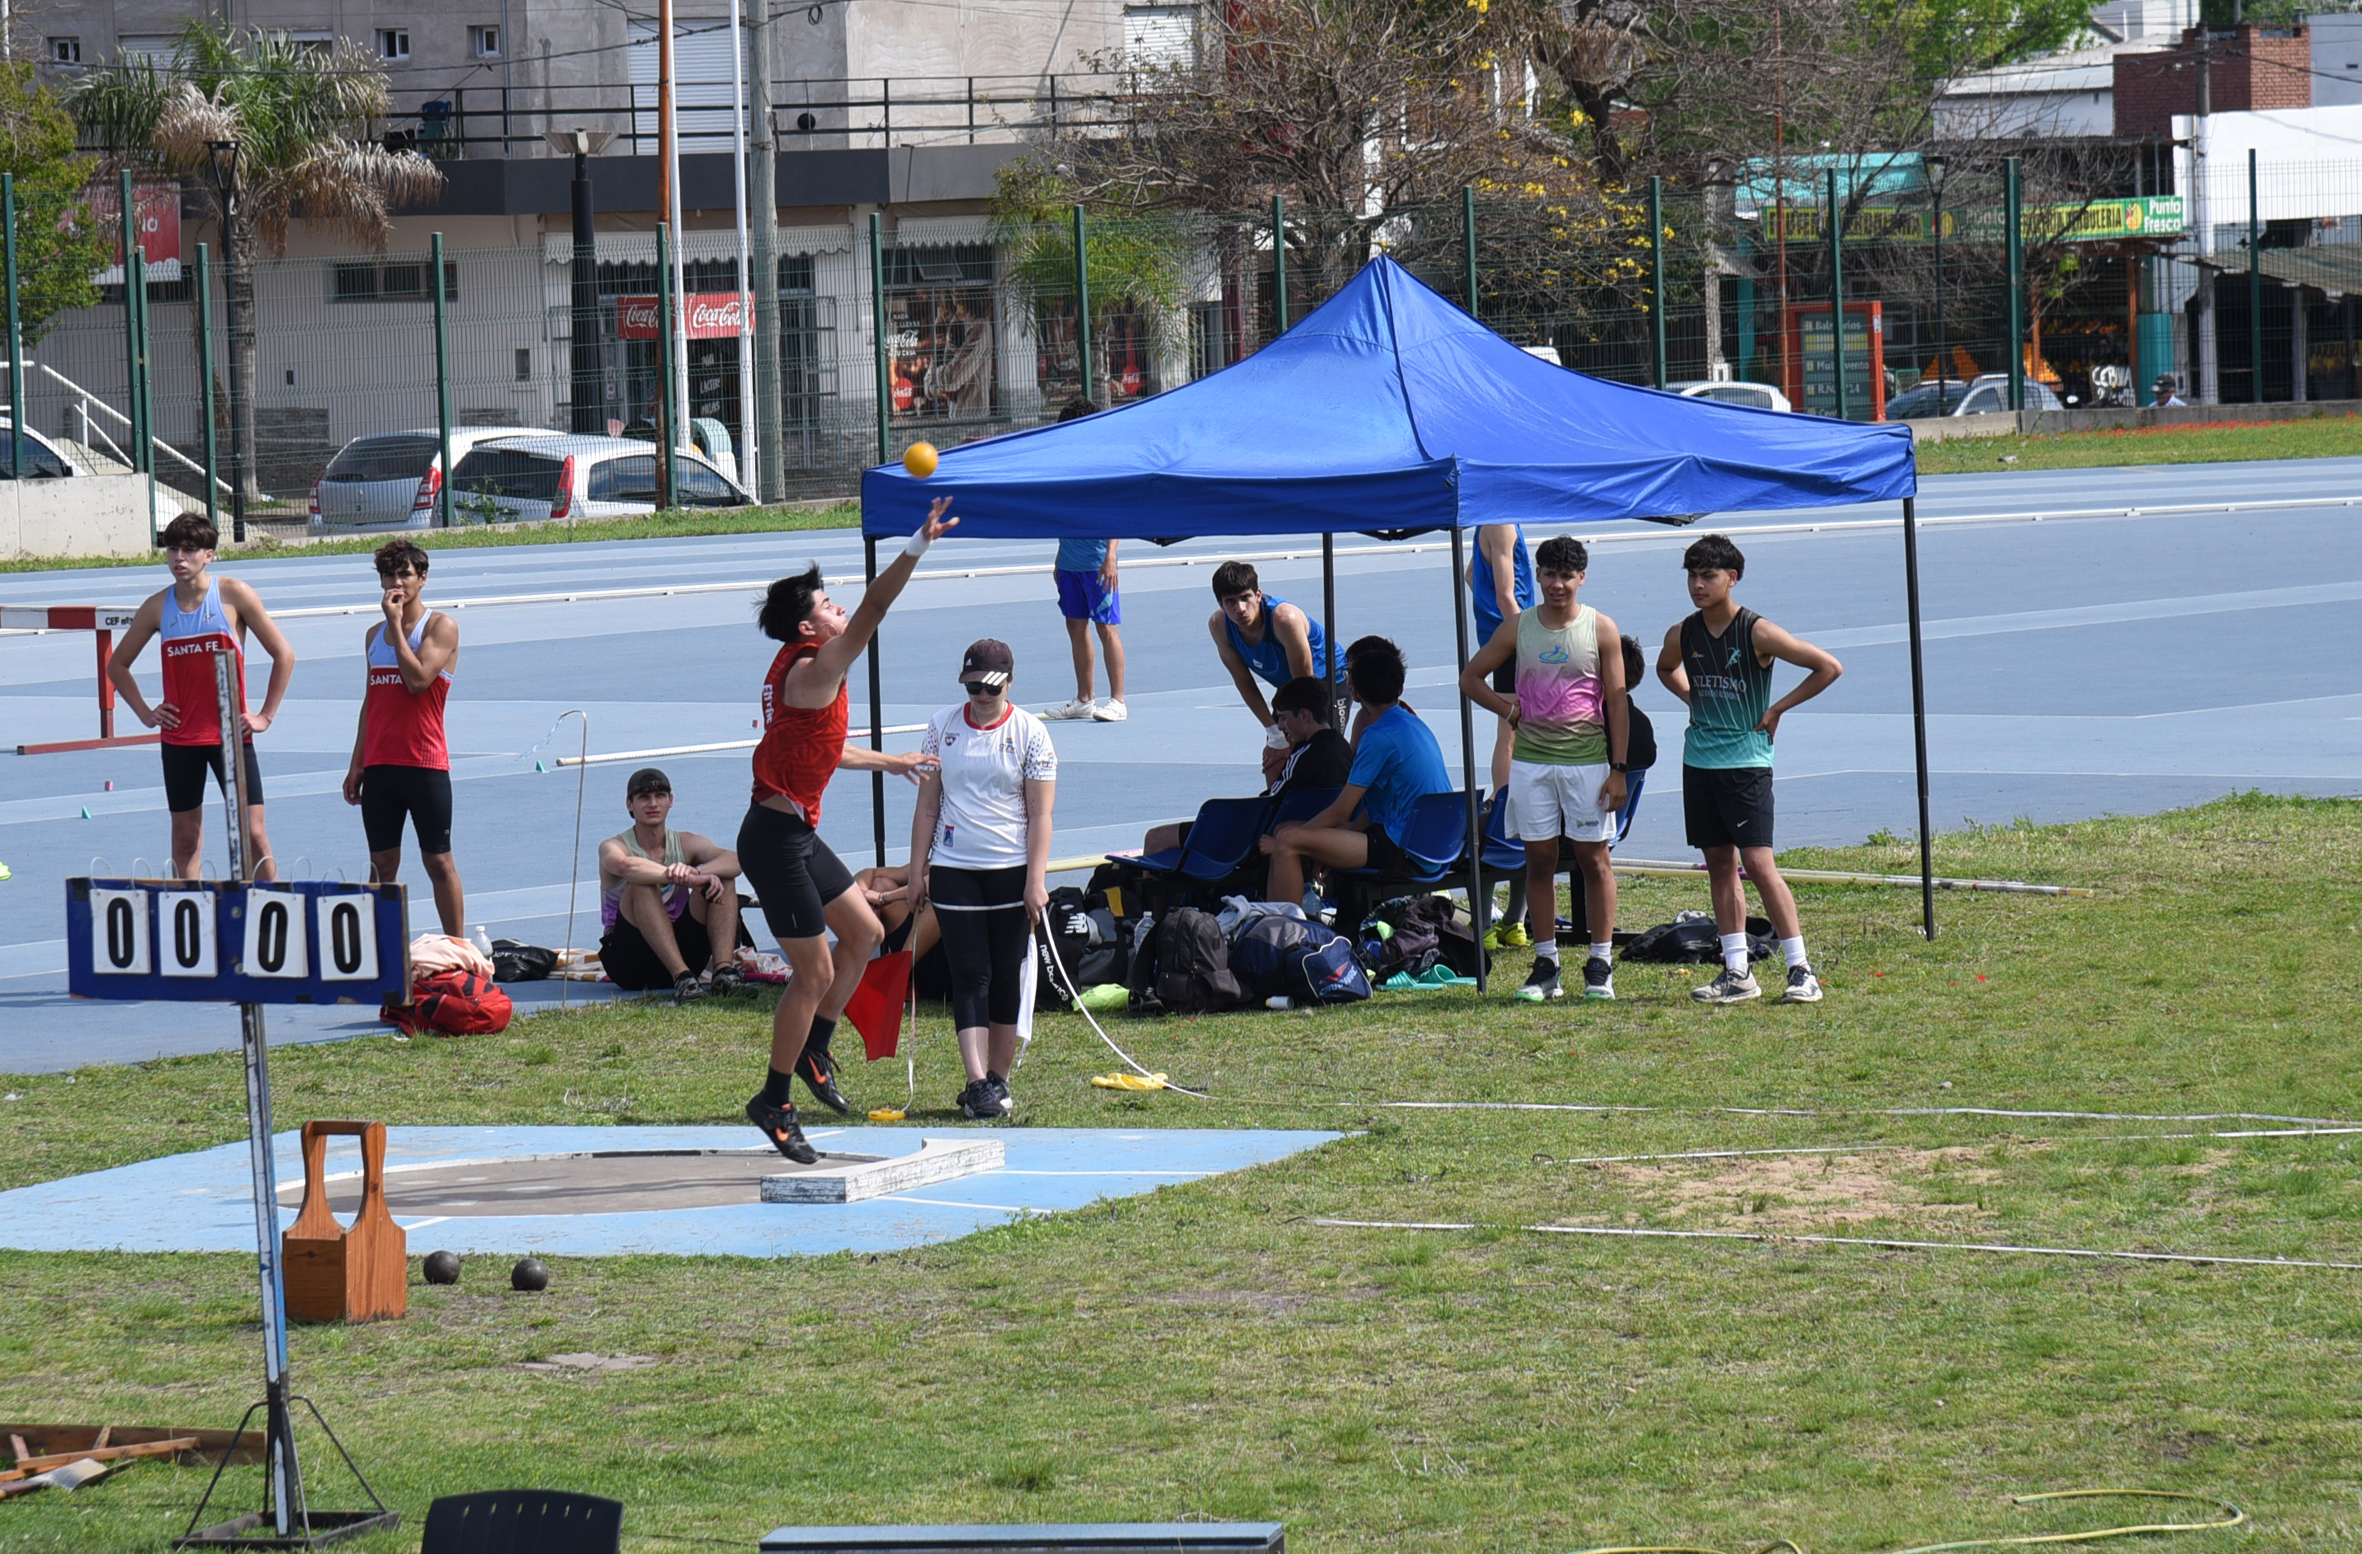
(801, 746)
(405, 726)
(191, 638)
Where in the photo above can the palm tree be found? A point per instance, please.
(299, 118)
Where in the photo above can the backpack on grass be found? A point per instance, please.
(1188, 969)
(451, 1002)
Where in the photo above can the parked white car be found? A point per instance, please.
(554, 475)
(1990, 393)
(1756, 396)
(390, 480)
(45, 460)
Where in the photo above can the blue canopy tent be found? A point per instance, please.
(1390, 409)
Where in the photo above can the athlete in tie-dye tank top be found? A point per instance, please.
(1558, 716)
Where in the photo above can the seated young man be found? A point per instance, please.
(668, 900)
(1396, 762)
(1317, 756)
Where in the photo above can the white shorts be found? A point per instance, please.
(1548, 800)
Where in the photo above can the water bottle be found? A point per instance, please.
(482, 940)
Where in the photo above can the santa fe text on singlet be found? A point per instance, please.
(1729, 691)
(801, 745)
(405, 726)
(191, 638)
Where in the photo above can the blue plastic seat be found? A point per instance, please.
(1434, 839)
(1222, 839)
(523, 1521)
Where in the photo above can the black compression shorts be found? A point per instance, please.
(420, 794)
(1727, 806)
(792, 870)
(187, 766)
(986, 931)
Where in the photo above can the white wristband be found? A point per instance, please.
(918, 545)
(1273, 738)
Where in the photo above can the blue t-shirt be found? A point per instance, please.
(1081, 555)
(1484, 593)
(1399, 762)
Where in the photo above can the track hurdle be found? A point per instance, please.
(105, 620)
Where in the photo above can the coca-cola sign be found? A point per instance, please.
(711, 315)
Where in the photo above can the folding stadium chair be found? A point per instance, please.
(1218, 828)
(523, 1521)
(1436, 842)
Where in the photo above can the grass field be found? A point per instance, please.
(669, 525)
(1210, 1351)
(2318, 437)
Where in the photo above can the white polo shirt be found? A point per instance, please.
(982, 823)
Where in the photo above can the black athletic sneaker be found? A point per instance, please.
(728, 982)
(779, 1125)
(1000, 1094)
(1599, 979)
(979, 1102)
(818, 1070)
(1541, 983)
(687, 989)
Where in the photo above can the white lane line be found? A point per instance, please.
(2096, 615)
(945, 1203)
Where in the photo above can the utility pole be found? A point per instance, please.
(2206, 366)
(763, 208)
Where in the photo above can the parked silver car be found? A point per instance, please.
(390, 480)
(553, 475)
(1759, 396)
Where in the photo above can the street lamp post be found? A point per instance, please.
(224, 157)
(1933, 167)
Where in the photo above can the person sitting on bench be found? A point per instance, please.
(668, 900)
(1317, 757)
(1396, 762)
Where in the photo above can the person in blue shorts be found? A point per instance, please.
(1087, 598)
(1396, 762)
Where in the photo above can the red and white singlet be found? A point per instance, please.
(801, 745)
(191, 638)
(405, 726)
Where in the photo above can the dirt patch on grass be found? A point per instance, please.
(1808, 1192)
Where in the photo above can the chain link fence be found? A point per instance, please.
(974, 330)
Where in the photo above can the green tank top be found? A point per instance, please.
(1559, 722)
(1729, 692)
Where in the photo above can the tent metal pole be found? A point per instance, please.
(1927, 887)
(1328, 617)
(877, 721)
(1480, 899)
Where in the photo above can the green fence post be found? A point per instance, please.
(2255, 291)
(668, 413)
(442, 375)
(1468, 245)
(1834, 217)
(2013, 238)
(205, 380)
(877, 334)
(1279, 263)
(132, 351)
(1656, 281)
(16, 339)
(1082, 303)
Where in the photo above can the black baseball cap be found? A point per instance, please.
(988, 660)
(647, 779)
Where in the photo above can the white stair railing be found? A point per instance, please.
(88, 402)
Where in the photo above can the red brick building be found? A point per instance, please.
(2251, 68)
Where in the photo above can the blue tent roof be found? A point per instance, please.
(1390, 408)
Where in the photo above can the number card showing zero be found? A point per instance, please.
(185, 933)
(276, 940)
(119, 933)
(348, 936)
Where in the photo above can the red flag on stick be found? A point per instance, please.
(876, 1005)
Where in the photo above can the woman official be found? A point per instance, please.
(983, 829)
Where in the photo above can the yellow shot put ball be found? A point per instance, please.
(921, 459)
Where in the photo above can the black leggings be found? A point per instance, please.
(981, 913)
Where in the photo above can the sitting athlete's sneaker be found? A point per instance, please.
(1803, 986)
(1541, 983)
(1732, 987)
(818, 1070)
(978, 1101)
(1110, 711)
(1514, 936)
(779, 1125)
(1069, 711)
(728, 981)
(687, 989)
(1599, 979)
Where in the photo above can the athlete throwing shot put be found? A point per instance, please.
(1719, 661)
(806, 891)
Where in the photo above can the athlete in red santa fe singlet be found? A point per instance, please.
(403, 727)
(198, 619)
(401, 769)
(801, 746)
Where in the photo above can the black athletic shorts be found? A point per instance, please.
(1505, 678)
(986, 931)
(1387, 856)
(631, 962)
(1727, 806)
(792, 870)
(419, 794)
(187, 766)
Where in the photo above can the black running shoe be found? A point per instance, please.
(728, 981)
(1000, 1094)
(1599, 979)
(1541, 983)
(979, 1102)
(687, 989)
(779, 1125)
(818, 1070)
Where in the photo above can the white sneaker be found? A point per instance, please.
(1803, 986)
(1068, 711)
(1109, 712)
